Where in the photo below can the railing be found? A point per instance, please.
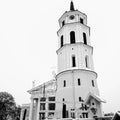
(102, 118)
(71, 119)
(78, 119)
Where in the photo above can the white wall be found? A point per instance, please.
(80, 51)
(72, 91)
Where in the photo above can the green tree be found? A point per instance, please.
(7, 106)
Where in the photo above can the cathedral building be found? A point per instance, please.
(73, 93)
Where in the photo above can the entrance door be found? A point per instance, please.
(42, 116)
(64, 111)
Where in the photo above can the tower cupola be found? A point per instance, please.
(72, 16)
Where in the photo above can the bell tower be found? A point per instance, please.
(76, 77)
(74, 47)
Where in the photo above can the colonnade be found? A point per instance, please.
(35, 108)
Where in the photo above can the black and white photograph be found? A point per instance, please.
(59, 60)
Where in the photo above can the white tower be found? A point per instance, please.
(76, 78)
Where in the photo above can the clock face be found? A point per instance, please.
(72, 17)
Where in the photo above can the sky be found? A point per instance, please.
(28, 44)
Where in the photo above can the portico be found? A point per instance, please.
(42, 105)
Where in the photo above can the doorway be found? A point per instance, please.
(64, 111)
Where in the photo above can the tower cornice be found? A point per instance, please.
(72, 24)
(75, 70)
(78, 43)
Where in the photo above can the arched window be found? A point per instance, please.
(64, 83)
(61, 39)
(79, 83)
(63, 23)
(73, 61)
(87, 61)
(80, 99)
(72, 37)
(84, 38)
(93, 83)
(81, 20)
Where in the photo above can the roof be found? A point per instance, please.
(116, 116)
(41, 86)
(96, 97)
(25, 105)
(72, 6)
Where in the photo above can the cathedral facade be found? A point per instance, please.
(73, 93)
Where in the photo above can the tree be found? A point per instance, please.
(7, 106)
(17, 112)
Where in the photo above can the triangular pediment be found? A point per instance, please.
(50, 85)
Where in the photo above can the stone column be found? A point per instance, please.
(46, 107)
(38, 109)
(31, 109)
(21, 114)
(35, 108)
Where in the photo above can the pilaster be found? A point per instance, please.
(31, 109)
(21, 114)
(46, 107)
(38, 109)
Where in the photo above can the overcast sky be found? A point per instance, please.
(28, 44)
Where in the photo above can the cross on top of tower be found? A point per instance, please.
(72, 6)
